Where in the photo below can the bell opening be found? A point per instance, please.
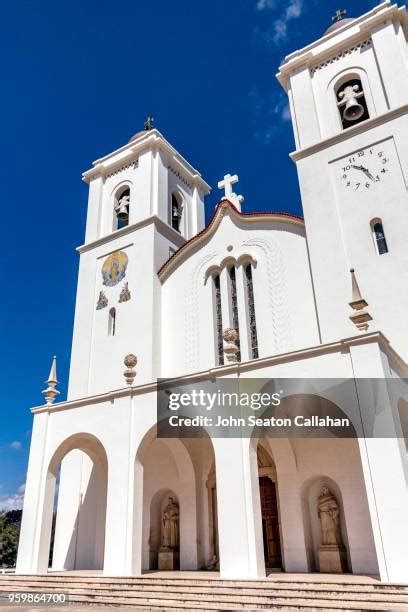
(351, 103)
(122, 203)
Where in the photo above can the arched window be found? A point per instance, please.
(218, 319)
(253, 336)
(234, 306)
(122, 203)
(112, 322)
(176, 212)
(351, 102)
(379, 236)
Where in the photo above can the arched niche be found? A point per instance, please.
(158, 504)
(354, 74)
(311, 490)
(121, 205)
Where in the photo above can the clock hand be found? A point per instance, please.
(365, 170)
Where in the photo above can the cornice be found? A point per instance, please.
(334, 41)
(161, 226)
(364, 126)
(151, 139)
(234, 370)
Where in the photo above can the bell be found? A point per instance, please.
(353, 110)
(122, 209)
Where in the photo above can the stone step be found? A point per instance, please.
(278, 603)
(184, 593)
(207, 596)
(215, 582)
(207, 591)
(266, 586)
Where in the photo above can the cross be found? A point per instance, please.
(227, 184)
(149, 123)
(340, 14)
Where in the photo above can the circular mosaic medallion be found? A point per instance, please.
(114, 268)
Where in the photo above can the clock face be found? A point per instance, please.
(366, 169)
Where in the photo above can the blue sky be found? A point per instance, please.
(79, 78)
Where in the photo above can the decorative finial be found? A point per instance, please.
(231, 348)
(360, 317)
(148, 124)
(130, 362)
(339, 15)
(226, 184)
(51, 392)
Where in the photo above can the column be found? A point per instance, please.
(197, 220)
(124, 502)
(93, 219)
(305, 121)
(391, 64)
(383, 466)
(239, 509)
(36, 521)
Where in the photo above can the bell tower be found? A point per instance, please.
(145, 202)
(348, 95)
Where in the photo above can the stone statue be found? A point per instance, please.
(329, 515)
(170, 537)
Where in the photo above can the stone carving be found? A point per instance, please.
(102, 301)
(125, 293)
(329, 515)
(130, 362)
(231, 348)
(170, 533)
(275, 292)
(332, 552)
(355, 49)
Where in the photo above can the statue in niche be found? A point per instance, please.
(329, 515)
(170, 534)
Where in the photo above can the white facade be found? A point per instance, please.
(150, 288)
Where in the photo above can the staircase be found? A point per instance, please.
(201, 591)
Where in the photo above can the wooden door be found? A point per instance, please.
(270, 523)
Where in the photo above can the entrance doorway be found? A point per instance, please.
(270, 523)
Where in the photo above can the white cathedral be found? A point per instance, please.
(261, 295)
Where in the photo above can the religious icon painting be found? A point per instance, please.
(114, 268)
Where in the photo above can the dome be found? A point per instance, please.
(339, 24)
(137, 135)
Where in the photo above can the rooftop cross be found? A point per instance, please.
(148, 125)
(227, 184)
(339, 15)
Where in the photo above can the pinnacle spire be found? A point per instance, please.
(51, 392)
(360, 316)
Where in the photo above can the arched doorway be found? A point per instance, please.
(269, 509)
(270, 523)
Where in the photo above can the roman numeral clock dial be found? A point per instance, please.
(365, 170)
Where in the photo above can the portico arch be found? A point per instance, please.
(80, 525)
(171, 468)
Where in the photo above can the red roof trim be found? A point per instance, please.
(224, 202)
